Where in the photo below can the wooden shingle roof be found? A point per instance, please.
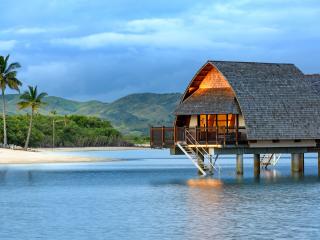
(276, 100)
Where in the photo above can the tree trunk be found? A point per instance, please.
(29, 131)
(5, 141)
(53, 133)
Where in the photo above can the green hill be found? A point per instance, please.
(132, 114)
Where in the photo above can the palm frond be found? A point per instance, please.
(3, 83)
(5, 63)
(41, 96)
(31, 91)
(23, 105)
(8, 75)
(12, 67)
(26, 96)
(2, 64)
(7, 59)
(35, 92)
(30, 98)
(14, 83)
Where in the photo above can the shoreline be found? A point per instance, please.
(49, 155)
(89, 149)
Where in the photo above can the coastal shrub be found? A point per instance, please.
(70, 131)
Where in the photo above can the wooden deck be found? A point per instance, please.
(218, 137)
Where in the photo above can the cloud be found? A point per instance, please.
(153, 32)
(222, 24)
(153, 24)
(36, 30)
(162, 39)
(107, 49)
(7, 45)
(180, 33)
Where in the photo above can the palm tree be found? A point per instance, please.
(53, 113)
(31, 99)
(8, 78)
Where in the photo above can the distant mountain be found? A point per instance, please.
(132, 114)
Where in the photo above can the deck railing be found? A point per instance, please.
(168, 136)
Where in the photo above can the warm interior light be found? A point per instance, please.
(211, 120)
(214, 79)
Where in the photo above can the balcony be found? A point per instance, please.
(167, 137)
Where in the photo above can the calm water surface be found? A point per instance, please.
(145, 196)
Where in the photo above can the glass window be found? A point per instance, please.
(211, 120)
(203, 121)
(231, 120)
(222, 120)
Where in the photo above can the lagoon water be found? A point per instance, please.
(145, 196)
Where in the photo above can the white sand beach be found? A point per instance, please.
(9, 156)
(80, 149)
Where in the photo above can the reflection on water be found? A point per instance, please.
(157, 198)
(205, 183)
(271, 174)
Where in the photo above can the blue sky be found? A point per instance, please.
(103, 49)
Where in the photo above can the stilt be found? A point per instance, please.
(256, 165)
(239, 178)
(319, 164)
(239, 167)
(297, 162)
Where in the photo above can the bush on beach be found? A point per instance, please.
(70, 131)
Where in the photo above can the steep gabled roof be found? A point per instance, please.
(276, 100)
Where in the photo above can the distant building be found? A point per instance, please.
(245, 107)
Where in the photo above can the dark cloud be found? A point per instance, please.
(106, 49)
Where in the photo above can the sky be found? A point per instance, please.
(106, 49)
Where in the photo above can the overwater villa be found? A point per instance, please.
(264, 109)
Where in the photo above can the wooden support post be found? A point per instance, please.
(319, 164)
(237, 129)
(217, 129)
(198, 134)
(239, 165)
(206, 129)
(256, 165)
(297, 162)
(227, 123)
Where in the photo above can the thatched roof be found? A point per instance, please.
(276, 100)
(315, 81)
(209, 101)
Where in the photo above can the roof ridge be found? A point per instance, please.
(312, 75)
(227, 61)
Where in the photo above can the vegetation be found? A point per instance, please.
(31, 99)
(8, 78)
(134, 113)
(131, 115)
(70, 131)
(137, 139)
